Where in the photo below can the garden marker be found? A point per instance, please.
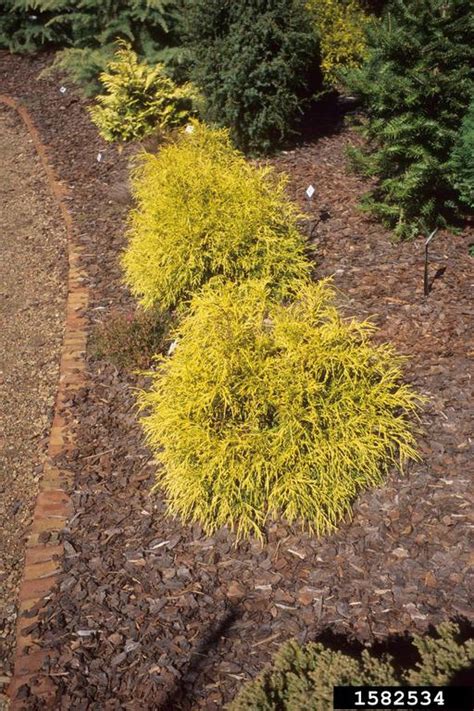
(427, 243)
(172, 348)
(63, 89)
(99, 157)
(310, 190)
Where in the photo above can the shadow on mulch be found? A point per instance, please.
(399, 647)
(179, 693)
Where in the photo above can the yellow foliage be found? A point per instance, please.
(267, 409)
(139, 99)
(340, 25)
(203, 211)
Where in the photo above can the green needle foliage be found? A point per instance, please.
(302, 678)
(257, 64)
(416, 86)
(139, 99)
(203, 211)
(462, 161)
(88, 29)
(267, 410)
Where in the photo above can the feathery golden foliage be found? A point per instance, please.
(266, 409)
(204, 211)
(139, 98)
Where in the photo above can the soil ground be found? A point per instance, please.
(32, 296)
(151, 614)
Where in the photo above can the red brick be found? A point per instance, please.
(30, 663)
(36, 589)
(61, 509)
(38, 571)
(41, 554)
(52, 496)
(44, 524)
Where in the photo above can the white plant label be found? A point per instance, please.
(172, 348)
(62, 89)
(310, 190)
(99, 157)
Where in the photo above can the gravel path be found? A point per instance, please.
(33, 271)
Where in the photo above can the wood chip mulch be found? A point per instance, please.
(152, 614)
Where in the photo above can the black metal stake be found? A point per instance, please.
(427, 243)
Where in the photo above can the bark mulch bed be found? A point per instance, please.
(155, 615)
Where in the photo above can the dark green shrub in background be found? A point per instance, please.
(415, 86)
(28, 25)
(302, 678)
(463, 160)
(87, 29)
(257, 64)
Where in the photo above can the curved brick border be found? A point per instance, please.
(53, 505)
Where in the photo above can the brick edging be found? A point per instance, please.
(53, 505)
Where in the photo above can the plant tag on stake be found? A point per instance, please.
(172, 348)
(310, 190)
(99, 157)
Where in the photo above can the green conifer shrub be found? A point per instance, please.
(416, 86)
(302, 678)
(28, 25)
(88, 29)
(257, 64)
(203, 211)
(462, 160)
(268, 410)
(138, 99)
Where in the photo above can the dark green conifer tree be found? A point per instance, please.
(415, 87)
(256, 62)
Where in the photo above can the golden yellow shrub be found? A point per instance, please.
(203, 211)
(139, 98)
(340, 26)
(267, 409)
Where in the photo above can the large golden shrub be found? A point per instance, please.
(266, 409)
(203, 211)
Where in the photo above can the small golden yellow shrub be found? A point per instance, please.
(204, 211)
(265, 410)
(340, 26)
(138, 99)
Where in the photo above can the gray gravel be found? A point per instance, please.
(33, 273)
